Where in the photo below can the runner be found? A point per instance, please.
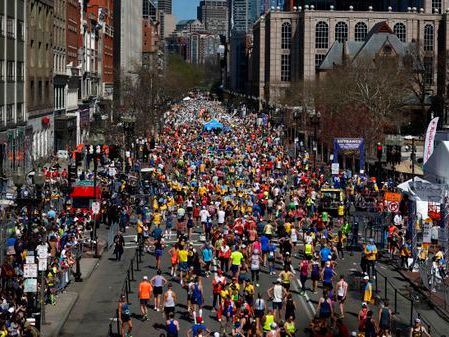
(124, 317)
(342, 292)
(158, 282)
(145, 290)
(169, 302)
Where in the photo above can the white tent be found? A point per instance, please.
(436, 168)
(422, 190)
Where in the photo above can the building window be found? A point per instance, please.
(2, 70)
(400, 31)
(321, 35)
(286, 35)
(428, 38)
(428, 70)
(19, 116)
(20, 71)
(341, 32)
(10, 71)
(319, 58)
(9, 113)
(20, 30)
(285, 68)
(2, 25)
(360, 31)
(436, 4)
(10, 28)
(2, 115)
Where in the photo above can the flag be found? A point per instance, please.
(430, 137)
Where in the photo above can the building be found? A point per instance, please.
(59, 56)
(127, 46)
(214, 15)
(15, 142)
(100, 13)
(202, 48)
(151, 41)
(165, 6)
(243, 14)
(189, 26)
(65, 129)
(150, 10)
(39, 64)
(167, 24)
(291, 46)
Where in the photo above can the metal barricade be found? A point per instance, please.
(111, 234)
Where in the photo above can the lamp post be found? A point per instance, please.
(315, 118)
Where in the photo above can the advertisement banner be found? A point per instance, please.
(350, 144)
(430, 137)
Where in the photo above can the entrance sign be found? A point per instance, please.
(350, 144)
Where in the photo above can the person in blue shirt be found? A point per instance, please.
(271, 251)
(207, 256)
(198, 329)
(325, 254)
(264, 246)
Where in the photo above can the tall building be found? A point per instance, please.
(101, 12)
(150, 10)
(202, 48)
(40, 103)
(151, 41)
(14, 136)
(167, 24)
(59, 56)
(127, 48)
(243, 14)
(165, 6)
(214, 15)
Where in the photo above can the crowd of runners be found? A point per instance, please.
(239, 208)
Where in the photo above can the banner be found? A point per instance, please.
(430, 137)
(350, 144)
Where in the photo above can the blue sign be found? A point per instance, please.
(350, 144)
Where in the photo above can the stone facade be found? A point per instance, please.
(313, 33)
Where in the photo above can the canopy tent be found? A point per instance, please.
(422, 190)
(212, 125)
(436, 167)
(187, 98)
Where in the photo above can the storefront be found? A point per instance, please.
(15, 147)
(65, 132)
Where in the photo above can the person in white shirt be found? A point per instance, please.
(204, 215)
(221, 216)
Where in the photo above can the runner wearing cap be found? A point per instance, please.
(145, 290)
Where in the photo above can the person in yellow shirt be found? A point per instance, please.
(157, 216)
(183, 256)
(139, 229)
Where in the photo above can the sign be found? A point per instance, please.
(30, 285)
(42, 251)
(430, 139)
(86, 183)
(42, 266)
(392, 196)
(350, 144)
(95, 207)
(30, 270)
(392, 206)
(335, 168)
(30, 259)
(426, 237)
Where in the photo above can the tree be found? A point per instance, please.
(147, 90)
(363, 98)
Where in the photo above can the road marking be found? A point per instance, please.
(305, 301)
(131, 247)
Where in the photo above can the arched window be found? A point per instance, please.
(341, 32)
(428, 38)
(360, 31)
(286, 35)
(400, 31)
(321, 35)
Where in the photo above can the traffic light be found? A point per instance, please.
(379, 151)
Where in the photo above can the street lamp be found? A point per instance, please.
(315, 118)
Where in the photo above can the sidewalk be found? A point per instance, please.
(57, 315)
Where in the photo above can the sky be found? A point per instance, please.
(185, 9)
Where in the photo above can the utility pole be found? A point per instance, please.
(413, 158)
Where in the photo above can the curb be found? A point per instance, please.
(56, 327)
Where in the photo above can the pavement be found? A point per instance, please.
(88, 308)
